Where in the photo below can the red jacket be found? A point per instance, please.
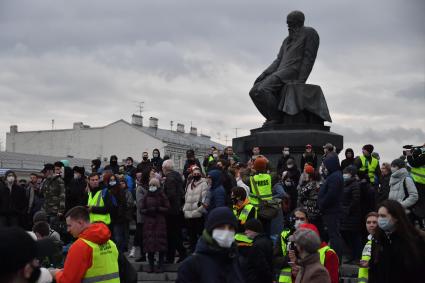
(79, 258)
(331, 264)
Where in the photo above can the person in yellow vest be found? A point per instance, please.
(416, 164)
(368, 166)
(99, 201)
(261, 187)
(93, 257)
(243, 211)
(371, 225)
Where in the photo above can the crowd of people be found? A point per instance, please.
(225, 219)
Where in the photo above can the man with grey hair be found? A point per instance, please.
(173, 188)
(293, 63)
(307, 244)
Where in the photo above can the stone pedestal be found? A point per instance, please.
(272, 139)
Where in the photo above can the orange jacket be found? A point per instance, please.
(79, 258)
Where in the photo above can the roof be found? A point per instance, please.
(169, 136)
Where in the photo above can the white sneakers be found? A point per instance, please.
(132, 252)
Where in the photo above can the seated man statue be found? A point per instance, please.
(293, 64)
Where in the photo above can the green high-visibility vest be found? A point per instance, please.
(285, 275)
(243, 240)
(363, 275)
(369, 167)
(322, 253)
(243, 215)
(264, 186)
(104, 268)
(97, 200)
(418, 174)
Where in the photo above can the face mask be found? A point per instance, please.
(346, 177)
(288, 183)
(286, 152)
(298, 223)
(393, 169)
(215, 155)
(76, 176)
(224, 238)
(113, 162)
(385, 224)
(112, 183)
(290, 166)
(234, 201)
(152, 189)
(145, 158)
(10, 179)
(155, 155)
(196, 177)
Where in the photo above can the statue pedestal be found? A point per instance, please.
(272, 139)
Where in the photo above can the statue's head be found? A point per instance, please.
(295, 20)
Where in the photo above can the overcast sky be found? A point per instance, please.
(195, 61)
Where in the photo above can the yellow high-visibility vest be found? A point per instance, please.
(285, 275)
(363, 275)
(369, 167)
(418, 174)
(104, 268)
(97, 200)
(264, 186)
(243, 215)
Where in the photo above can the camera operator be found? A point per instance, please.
(416, 164)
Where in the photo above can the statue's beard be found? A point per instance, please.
(293, 32)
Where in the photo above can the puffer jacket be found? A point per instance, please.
(196, 192)
(397, 188)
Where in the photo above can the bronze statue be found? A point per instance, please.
(292, 66)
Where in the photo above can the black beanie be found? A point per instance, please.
(368, 147)
(254, 225)
(220, 216)
(79, 170)
(398, 163)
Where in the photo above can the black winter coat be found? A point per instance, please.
(75, 194)
(347, 162)
(173, 189)
(392, 260)
(210, 264)
(308, 158)
(12, 202)
(331, 190)
(257, 261)
(351, 211)
(383, 189)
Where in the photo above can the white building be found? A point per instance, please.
(120, 138)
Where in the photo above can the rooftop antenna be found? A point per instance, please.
(225, 139)
(140, 105)
(171, 124)
(236, 132)
(53, 124)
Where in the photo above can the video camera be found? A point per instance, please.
(415, 150)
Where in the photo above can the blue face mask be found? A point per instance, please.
(346, 177)
(385, 224)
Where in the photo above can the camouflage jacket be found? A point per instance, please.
(53, 189)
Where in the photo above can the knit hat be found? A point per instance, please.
(309, 169)
(308, 146)
(368, 147)
(312, 227)
(65, 162)
(254, 225)
(306, 239)
(260, 164)
(352, 170)
(39, 216)
(19, 248)
(398, 163)
(80, 170)
(220, 216)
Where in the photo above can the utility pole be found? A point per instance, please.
(226, 139)
(171, 125)
(236, 132)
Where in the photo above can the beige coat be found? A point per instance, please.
(312, 271)
(195, 193)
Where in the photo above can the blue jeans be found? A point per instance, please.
(332, 225)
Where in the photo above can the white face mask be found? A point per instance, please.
(224, 238)
(10, 179)
(76, 176)
(298, 223)
(152, 189)
(393, 169)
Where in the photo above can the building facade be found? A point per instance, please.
(119, 138)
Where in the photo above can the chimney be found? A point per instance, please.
(205, 136)
(13, 129)
(180, 128)
(193, 131)
(137, 120)
(78, 125)
(153, 122)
